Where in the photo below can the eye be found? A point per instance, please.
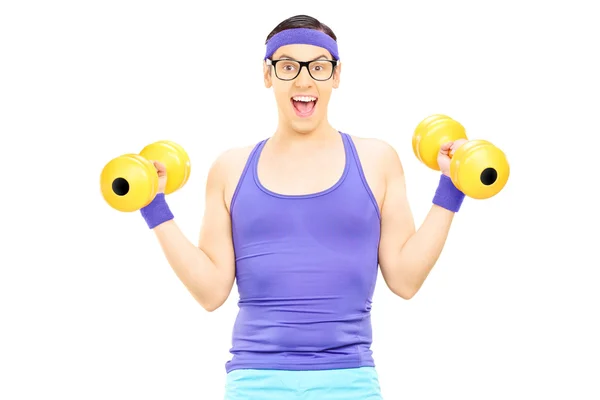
(319, 66)
(288, 66)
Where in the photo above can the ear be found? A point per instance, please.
(267, 74)
(336, 75)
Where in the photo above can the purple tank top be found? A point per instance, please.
(306, 267)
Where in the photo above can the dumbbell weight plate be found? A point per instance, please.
(174, 158)
(431, 134)
(421, 130)
(479, 169)
(128, 182)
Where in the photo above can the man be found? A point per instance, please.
(302, 220)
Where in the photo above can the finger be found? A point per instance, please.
(457, 144)
(159, 166)
(446, 146)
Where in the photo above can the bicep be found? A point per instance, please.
(397, 223)
(215, 233)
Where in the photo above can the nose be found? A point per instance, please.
(303, 79)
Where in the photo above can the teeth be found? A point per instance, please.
(304, 98)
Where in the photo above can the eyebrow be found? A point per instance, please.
(292, 58)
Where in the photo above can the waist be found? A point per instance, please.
(296, 338)
(343, 358)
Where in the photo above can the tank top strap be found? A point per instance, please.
(355, 166)
(247, 175)
(254, 156)
(356, 174)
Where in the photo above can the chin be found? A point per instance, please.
(305, 126)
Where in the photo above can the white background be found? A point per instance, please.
(91, 310)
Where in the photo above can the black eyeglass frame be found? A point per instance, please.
(302, 64)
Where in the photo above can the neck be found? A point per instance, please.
(287, 133)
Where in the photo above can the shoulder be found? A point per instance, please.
(227, 168)
(373, 145)
(379, 152)
(231, 159)
(229, 163)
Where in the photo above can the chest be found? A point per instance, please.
(300, 174)
(318, 171)
(315, 245)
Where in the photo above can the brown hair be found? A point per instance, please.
(302, 21)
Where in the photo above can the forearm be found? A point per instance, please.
(417, 257)
(193, 267)
(407, 255)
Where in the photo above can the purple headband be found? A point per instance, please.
(302, 36)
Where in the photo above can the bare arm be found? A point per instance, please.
(407, 255)
(206, 270)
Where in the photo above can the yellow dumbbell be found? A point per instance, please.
(478, 168)
(130, 182)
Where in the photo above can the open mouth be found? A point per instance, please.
(304, 106)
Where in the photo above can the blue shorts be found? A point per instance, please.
(336, 384)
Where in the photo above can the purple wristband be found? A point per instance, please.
(157, 211)
(447, 195)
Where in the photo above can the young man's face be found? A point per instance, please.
(303, 100)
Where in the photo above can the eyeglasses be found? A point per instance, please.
(287, 70)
